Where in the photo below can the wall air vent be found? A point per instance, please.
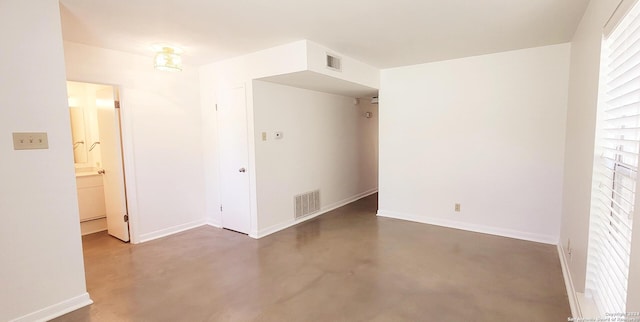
(334, 62)
(306, 204)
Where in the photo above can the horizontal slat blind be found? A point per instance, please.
(616, 166)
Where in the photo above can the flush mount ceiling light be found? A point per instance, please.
(167, 58)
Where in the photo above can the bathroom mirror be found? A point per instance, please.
(78, 134)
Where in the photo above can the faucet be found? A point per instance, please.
(76, 144)
(94, 145)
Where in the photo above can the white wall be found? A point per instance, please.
(284, 59)
(289, 58)
(486, 132)
(580, 134)
(42, 272)
(218, 76)
(210, 147)
(163, 137)
(368, 144)
(352, 70)
(328, 144)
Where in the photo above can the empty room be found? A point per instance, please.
(319, 161)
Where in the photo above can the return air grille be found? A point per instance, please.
(333, 62)
(306, 203)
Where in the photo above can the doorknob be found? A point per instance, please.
(101, 171)
(242, 170)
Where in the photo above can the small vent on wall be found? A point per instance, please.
(333, 62)
(306, 203)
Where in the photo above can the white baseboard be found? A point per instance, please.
(588, 308)
(214, 223)
(576, 312)
(170, 231)
(56, 310)
(540, 238)
(278, 227)
(93, 226)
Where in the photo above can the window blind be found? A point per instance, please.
(615, 166)
(620, 12)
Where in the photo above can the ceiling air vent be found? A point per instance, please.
(334, 63)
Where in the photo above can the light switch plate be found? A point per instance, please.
(30, 140)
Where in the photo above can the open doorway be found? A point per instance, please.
(94, 110)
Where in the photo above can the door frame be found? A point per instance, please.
(128, 164)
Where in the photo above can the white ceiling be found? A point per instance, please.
(383, 33)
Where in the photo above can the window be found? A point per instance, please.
(615, 166)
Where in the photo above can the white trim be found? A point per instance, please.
(129, 166)
(251, 150)
(255, 234)
(617, 15)
(93, 226)
(588, 307)
(540, 238)
(56, 310)
(278, 227)
(92, 231)
(214, 223)
(170, 231)
(576, 312)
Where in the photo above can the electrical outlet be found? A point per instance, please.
(30, 141)
(457, 207)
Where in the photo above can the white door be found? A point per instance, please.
(234, 159)
(113, 176)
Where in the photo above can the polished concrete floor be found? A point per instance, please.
(347, 265)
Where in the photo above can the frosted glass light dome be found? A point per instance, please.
(168, 59)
